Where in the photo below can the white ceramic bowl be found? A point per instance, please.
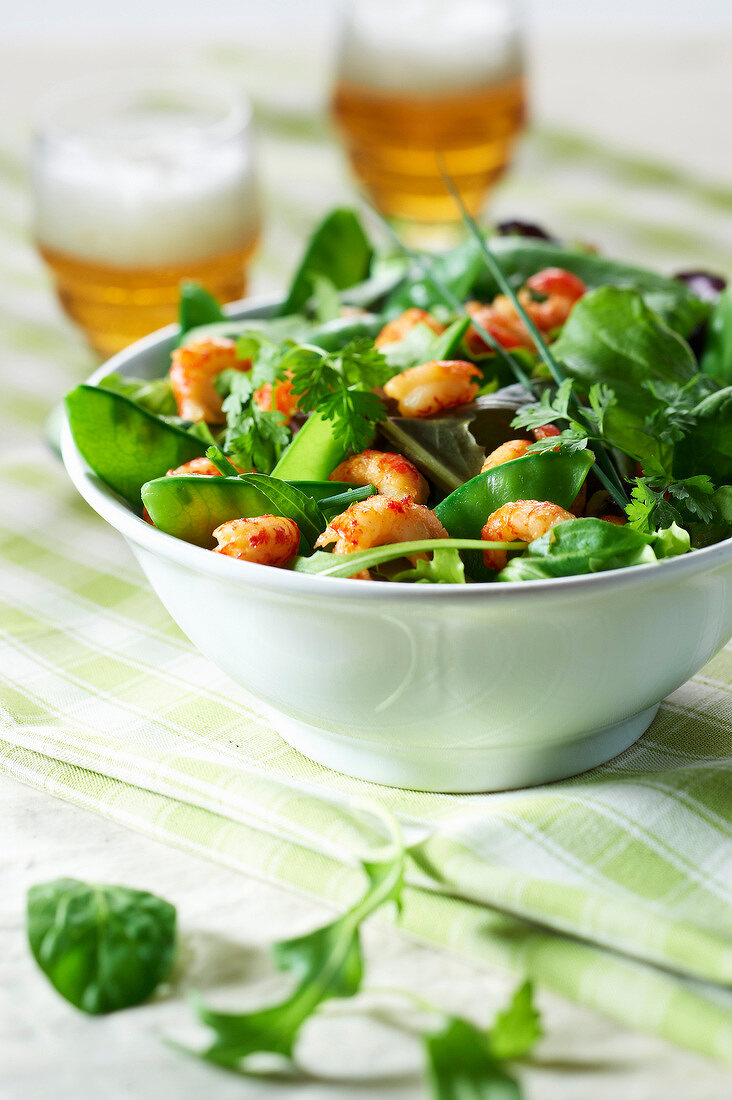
(442, 688)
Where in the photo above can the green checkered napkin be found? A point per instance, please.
(612, 889)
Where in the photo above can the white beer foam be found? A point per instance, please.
(144, 200)
(430, 46)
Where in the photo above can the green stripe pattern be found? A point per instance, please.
(612, 889)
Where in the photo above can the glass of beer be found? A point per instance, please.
(137, 187)
(423, 84)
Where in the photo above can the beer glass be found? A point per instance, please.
(138, 186)
(421, 83)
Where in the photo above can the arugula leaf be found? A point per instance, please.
(345, 565)
(460, 1063)
(517, 1027)
(102, 947)
(327, 963)
(445, 567)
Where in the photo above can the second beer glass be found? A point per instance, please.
(420, 79)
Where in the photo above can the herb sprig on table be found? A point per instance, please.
(108, 947)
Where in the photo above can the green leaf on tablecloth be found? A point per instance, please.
(102, 947)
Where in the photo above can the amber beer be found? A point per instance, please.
(426, 85)
(392, 140)
(117, 305)
(137, 189)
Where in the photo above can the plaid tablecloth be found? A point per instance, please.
(612, 889)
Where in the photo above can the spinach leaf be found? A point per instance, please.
(716, 358)
(155, 395)
(327, 963)
(708, 444)
(444, 448)
(580, 546)
(463, 272)
(612, 337)
(288, 501)
(197, 307)
(102, 947)
(325, 302)
(387, 272)
(339, 250)
(460, 1063)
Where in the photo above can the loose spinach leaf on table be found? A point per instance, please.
(339, 250)
(102, 947)
(327, 963)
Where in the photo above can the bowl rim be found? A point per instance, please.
(117, 513)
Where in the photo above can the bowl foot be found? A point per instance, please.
(461, 770)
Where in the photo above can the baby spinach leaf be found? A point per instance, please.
(580, 546)
(707, 445)
(125, 445)
(339, 250)
(456, 270)
(387, 272)
(197, 307)
(155, 395)
(716, 358)
(327, 963)
(460, 1063)
(443, 448)
(612, 337)
(286, 500)
(102, 947)
(325, 302)
(335, 334)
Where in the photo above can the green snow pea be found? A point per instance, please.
(547, 476)
(125, 445)
(190, 507)
(334, 335)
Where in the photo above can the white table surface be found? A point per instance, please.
(49, 1050)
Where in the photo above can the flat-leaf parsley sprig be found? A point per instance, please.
(338, 386)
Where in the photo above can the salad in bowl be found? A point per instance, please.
(524, 409)
(458, 522)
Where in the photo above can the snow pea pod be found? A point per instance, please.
(547, 476)
(190, 507)
(334, 335)
(125, 445)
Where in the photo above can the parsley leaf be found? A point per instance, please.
(517, 1027)
(549, 408)
(657, 503)
(254, 437)
(337, 385)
